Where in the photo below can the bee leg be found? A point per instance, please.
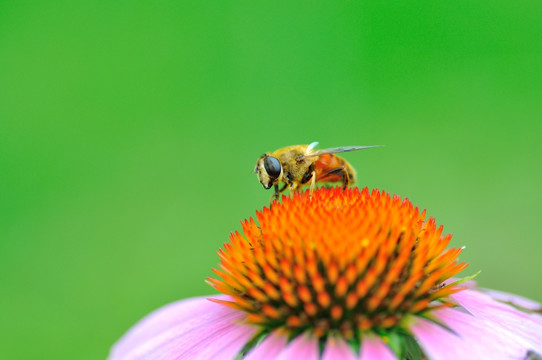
(313, 182)
(344, 175)
(282, 189)
(278, 191)
(276, 194)
(346, 179)
(293, 189)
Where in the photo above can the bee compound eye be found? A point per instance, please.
(272, 166)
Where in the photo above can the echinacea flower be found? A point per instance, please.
(340, 275)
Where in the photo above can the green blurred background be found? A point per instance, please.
(129, 132)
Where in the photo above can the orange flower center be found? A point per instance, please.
(339, 260)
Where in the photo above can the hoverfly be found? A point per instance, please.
(298, 165)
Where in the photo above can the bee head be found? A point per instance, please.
(268, 170)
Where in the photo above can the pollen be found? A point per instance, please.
(337, 260)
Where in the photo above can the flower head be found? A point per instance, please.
(337, 261)
(339, 274)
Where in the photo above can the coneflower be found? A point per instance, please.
(340, 275)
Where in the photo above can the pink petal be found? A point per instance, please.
(270, 347)
(372, 348)
(337, 349)
(527, 326)
(472, 338)
(303, 347)
(514, 299)
(225, 344)
(440, 344)
(185, 329)
(161, 320)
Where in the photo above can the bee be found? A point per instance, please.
(298, 165)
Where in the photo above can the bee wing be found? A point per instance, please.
(311, 147)
(339, 149)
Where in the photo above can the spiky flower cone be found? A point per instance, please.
(337, 261)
